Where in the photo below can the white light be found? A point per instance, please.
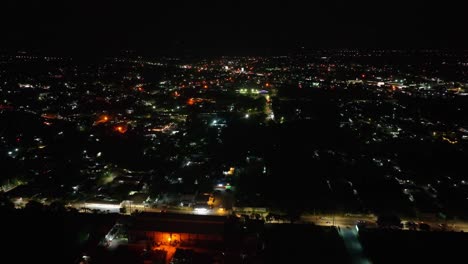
(103, 206)
(246, 115)
(99, 154)
(201, 210)
(9, 152)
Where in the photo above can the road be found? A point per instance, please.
(351, 220)
(338, 220)
(342, 221)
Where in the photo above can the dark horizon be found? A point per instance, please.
(230, 27)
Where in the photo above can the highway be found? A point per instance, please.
(338, 220)
(342, 221)
(371, 222)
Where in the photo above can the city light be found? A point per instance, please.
(176, 144)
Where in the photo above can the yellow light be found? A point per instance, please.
(450, 141)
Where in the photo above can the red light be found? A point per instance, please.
(363, 75)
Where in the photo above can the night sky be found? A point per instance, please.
(228, 27)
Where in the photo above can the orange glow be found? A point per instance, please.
(176, 94)
(169, 239)
(121, 129)
(267, 85)
(193, 101)
(140, 89)
(102, 119)
(49, 116)
(205, 86)
(393, 88)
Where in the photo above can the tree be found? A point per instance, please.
(34, 207)
(57, 207)
(5, 203)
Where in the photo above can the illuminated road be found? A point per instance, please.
(342, 221)
(337, 220)
(351, 220)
